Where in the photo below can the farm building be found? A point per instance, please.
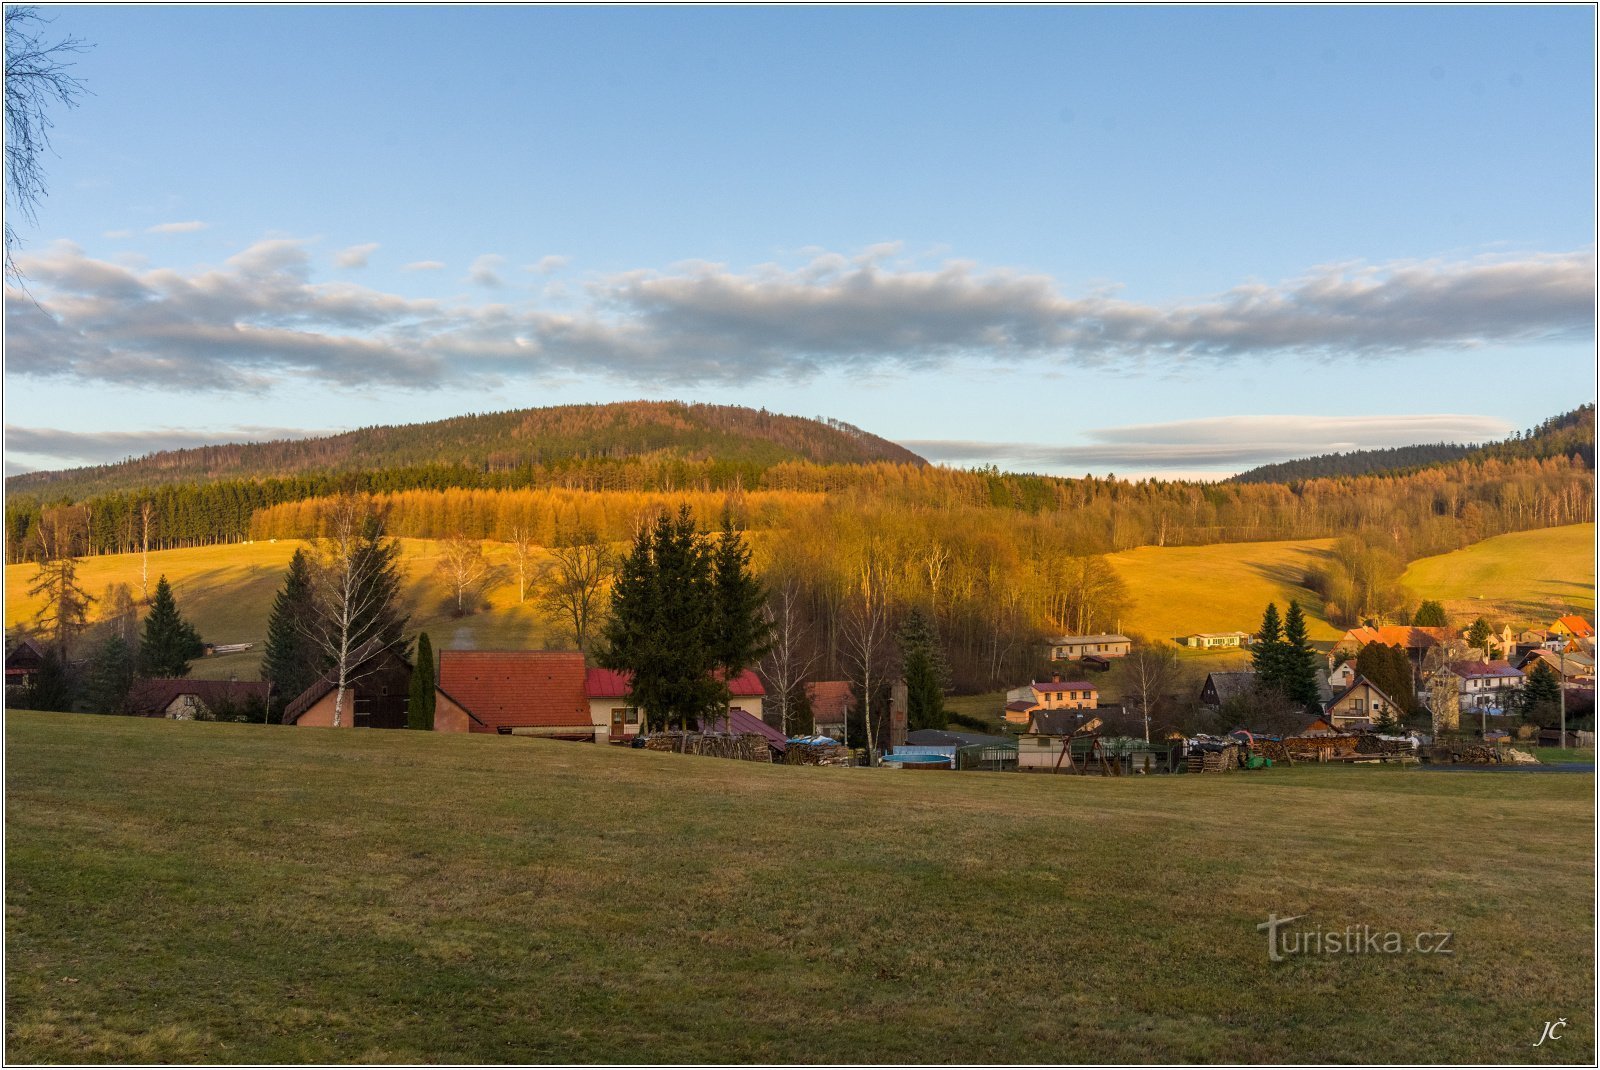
(379, 697)
(830, 706)
(196, 700)
(1215, 640)
(1074, 647)
(1220, 687)
(523, 692)
(1360, 704)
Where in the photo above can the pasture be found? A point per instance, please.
(194, 892)
(1526, 577)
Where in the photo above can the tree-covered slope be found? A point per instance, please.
(1571, 433)
(499, 440)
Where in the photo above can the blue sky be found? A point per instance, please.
(1107, 239)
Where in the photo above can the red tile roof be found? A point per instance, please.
(1577, 626)
(1471, 669)
(830, 700)
(518, 688)
(605, 683)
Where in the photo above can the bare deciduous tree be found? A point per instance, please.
(36, 76)
(581, 565)
(864, 635)
(792, 657)
(146, 515)
(1151, 671)
(464, 570)
(523, 552)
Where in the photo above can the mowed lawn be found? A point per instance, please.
(1526, 577)
(183, 892)
(227, 591)
(1177, 590)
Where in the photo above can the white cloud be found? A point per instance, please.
(117, 235)
(177, 228)
(261, 318)
(355, 256)
(485, 270)
(424, 265)
(106, 447)
(549, 265)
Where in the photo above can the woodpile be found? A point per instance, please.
(1465, 753)
(744, 747)
(1371, 744)
(817, 754)
(1220, 760)
(1274, 749)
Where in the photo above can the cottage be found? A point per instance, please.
(523, 692)
(1572, 627)
(1220, 687)
(1075, 647)
(1484, 685)
(1319, 726)
(197, 700)
(1062, 722)
(1342, 676)
(610, 703)
(379, 697)
(1215, 640)
(22, 663)
(1360, 705)
(830, 706)
(1573, 670)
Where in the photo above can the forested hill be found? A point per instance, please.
(1570, 434)
(549, 438)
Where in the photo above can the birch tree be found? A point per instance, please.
(792, 657)
(1150, 673)
(522, 552)
(464, 570)
(865, 629)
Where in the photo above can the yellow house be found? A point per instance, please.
(1075, 647)
(1572, 627)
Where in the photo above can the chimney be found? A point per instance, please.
(1055, 678)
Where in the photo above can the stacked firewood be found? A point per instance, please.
(1371, 744)
(816, 754)
(1464, 753)
(745, 747)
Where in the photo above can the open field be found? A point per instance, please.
(1526, 577)
(227, 592)
(199, 892)
(1221, 588)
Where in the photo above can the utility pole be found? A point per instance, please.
(1563, 685)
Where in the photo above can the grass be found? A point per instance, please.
(189, 892)
(227, 592)
(1562, 754)
(1177, 590)
(1526, 577)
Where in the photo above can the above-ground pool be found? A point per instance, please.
(917, 761)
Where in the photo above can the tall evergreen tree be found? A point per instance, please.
(420, 706)
(662, 625)
(53, 686)
(291, 662)
(378, 564)
(1299, 679)
(926, 673)
(1430, 614)
(1267, 653)
(1478, 635)
(1389, 669)
(169, 642)
(741, 632)
(111, 674)
(1540, 701)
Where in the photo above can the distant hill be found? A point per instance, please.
(1571, 433)
(497, 441)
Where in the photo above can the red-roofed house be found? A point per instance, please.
(610, 705)
(1484, 684)
(830, 706)
(521, 692)
(1573, 626)
(1412, 640)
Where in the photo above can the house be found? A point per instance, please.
(1059, 694)
(1220, 687)
(523, 692)
(1215, 640)
(1414, 641)
(1484, 684)
(830, 706)
(22, 662)
(1074, 647)
(1319, 726)
(610, 704)
(1018, 711)
(1573, 670)
(1572, 627)
(1359, 705)
(1062, 722)
(196, 700)
(379, 697)
(1342, 676)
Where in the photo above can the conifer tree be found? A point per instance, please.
(741, 632)
(169, 642)
(1299, 672)
(1430, 614)
(1267, 653)
(52, 687)
(290, 662)
(419, 708)
(1478, 636)
(926, 674)
(111, 674)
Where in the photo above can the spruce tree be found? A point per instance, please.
(1478, 636)
(169, 642)
(1299, 679)
(111, 673)
(1267, 653)
(925, 671)
(291, 662)
(1430, 614)
(1389, 669)
(52, 687)
(742, 635)
(1541, 695)
(419, 708)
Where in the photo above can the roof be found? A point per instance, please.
(1483, 669)
(1228, 685)
(153, 696)
(1576, 625)
(1112, 638)
(741, 723)
(1576, 663)
(1059, 722)
(939, 737)
(330, 679)
(607, 683)
(1022, 705)
(1065, 685)
(1400, 635)
(830, 700)
(518, 688)
(1358, 682)
(1218, 635)
(25, 656)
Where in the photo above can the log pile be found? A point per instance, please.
(745, 747)
(1371, 744)
(1463, 753)
(816, 754)
(1220, 760)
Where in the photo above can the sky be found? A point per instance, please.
(1141, 241)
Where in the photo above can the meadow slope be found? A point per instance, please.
(1526, 577)
(191, 892)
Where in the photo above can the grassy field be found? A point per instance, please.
(227, 592)
(186, 892)
(1527, 577)
(1223, 588)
